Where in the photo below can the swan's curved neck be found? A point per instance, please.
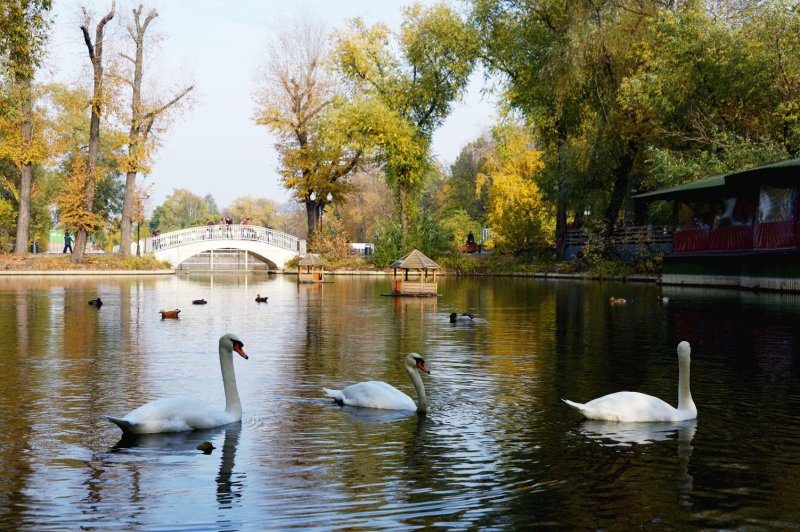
(685, 401)
(422, 401)
(232, 403)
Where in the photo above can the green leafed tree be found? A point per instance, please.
(624, 94)
(182, 209)
(261, 211)
(417, 73)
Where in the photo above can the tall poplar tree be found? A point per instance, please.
(88, 173)
(142, 119)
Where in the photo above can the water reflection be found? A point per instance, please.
(376, 415)
(165, 447)
(627, 434)
(612, 433)
(498, 449)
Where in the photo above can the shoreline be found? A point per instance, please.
(537, 275)
(51, 273)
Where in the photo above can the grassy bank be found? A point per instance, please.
(58, 262)
(457, 264)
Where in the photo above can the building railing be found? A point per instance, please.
(635, 234)
(229, 232)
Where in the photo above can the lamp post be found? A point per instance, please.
(320, 206)
(138, 239)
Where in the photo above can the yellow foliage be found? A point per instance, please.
(71, 201)
(519, 216)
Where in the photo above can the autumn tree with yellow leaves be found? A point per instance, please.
(519, 216)
(23, 34)
(86, 177)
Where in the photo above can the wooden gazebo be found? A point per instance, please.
(311, 269)
(414, 275)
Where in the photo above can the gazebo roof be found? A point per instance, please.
(415, 260)
(312, 259)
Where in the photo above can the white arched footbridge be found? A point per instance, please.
(266, 244)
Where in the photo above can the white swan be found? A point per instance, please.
(635, 406)
(377, 394)
(178, 414)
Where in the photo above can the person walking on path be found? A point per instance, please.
(67, 242)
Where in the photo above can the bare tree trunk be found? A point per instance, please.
(402, 199)
(561, 193)
(96, 56)
(561, 225)
(126, 222)
(621, 176)
(137, 34)
(26, 171)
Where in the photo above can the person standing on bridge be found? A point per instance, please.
(247, 232)
(228, 224)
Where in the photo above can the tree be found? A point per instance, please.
(181, 209)
(297, 102)
(142, 119)
(23, 33)
(621, 91)
(261, 211)
(467, 187)
(529, 45)
(86, 176)
(519, 216)
(417, 75)
(722, 95)
(70, 138)
(367, 204)
(291, 218)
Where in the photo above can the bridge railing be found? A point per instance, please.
(206, 233)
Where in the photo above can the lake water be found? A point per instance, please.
(497, 450)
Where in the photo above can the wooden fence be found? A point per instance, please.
(628, 235)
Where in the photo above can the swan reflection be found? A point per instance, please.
(376, 415)
(629, 434)
(171, 441)
(229, 484)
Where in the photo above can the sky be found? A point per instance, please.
(218, 45)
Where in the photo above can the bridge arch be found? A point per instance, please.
(274, 246)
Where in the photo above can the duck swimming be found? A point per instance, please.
(96, 303)
(199, 302)
(171, 314)
(454, 317)
(260, 299)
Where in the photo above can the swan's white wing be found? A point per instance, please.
(628, 406)
(375, 394)
(173, 415)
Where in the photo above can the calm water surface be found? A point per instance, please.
(498, 449)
